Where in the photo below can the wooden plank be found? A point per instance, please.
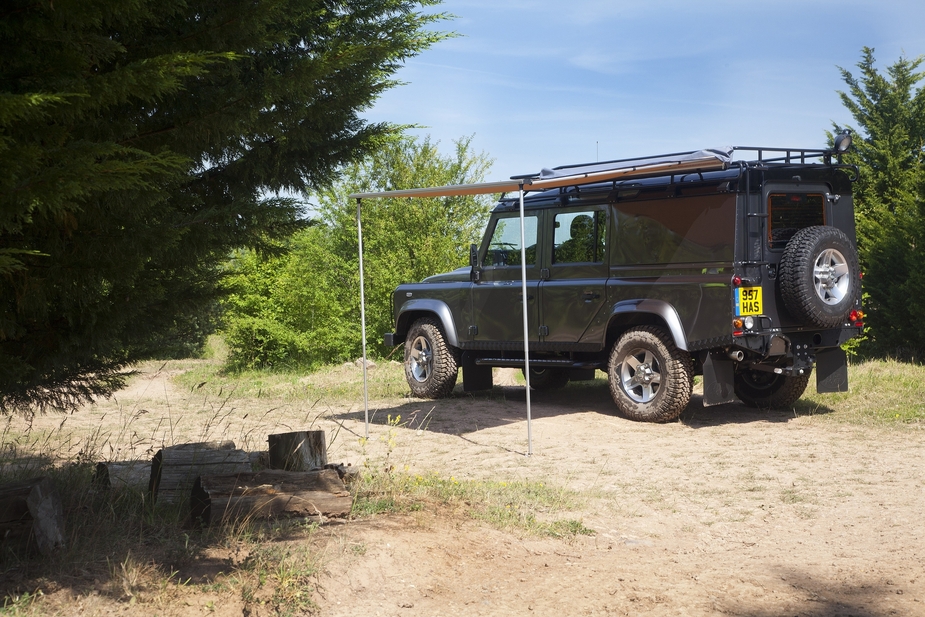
(174, 469)
(269, 494)
(33, 506)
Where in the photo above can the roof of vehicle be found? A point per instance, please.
(692, 162)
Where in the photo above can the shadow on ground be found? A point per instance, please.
(469, 412)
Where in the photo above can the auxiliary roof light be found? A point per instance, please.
(842, 142)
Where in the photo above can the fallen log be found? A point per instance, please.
(174, 469)
(298, 451)
(120, 475)
(33, 509)
(269, 494)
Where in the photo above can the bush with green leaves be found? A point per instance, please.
(303, 309)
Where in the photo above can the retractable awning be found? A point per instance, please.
(685, 162)
(559, 177)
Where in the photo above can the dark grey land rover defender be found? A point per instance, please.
(743, 271)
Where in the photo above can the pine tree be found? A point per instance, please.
(142, 140)
(890, 200)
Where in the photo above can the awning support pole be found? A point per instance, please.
(523, 286)
(363, 317)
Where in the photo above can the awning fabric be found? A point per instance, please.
(689, 162)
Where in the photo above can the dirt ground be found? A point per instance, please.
(729, 511)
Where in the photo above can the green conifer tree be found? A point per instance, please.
(890, 200)
(142, 140)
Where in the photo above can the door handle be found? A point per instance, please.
(588, 296)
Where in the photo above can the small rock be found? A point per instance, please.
(369, 363)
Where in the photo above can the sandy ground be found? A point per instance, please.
(729, 511)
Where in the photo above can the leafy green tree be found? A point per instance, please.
(303, 309)
(142, 140)
(890, 200)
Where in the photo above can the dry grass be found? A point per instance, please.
(122, 548)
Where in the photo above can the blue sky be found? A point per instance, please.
(541, 83)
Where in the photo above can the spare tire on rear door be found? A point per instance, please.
(820, 279)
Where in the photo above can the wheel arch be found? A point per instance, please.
(413, 310)
(645, 312)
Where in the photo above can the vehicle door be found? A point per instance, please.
(497, 296)
(573, 289)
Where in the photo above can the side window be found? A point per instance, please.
(504, 246)
(579, 236)
(678, 230)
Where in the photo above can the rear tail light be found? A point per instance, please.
(856, 317)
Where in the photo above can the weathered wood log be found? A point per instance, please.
(298, 451)
(122, 475)
(266, 494)
(174, 469)
(33, 506)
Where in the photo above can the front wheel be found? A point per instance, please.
(430, 364)
(769, 390)
(650, 378)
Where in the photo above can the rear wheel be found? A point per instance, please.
(650, 378)
(543, 379)
(430, 364)
(769, 390)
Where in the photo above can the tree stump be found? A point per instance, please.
(298, 451)
(174, 469)
(266, 494)
(33, 507)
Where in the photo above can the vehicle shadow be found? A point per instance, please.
(468, 412)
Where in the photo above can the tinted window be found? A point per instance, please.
(790, 212)
(677, 230)
(504, 246)
(579, 237)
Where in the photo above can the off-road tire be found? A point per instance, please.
(768, 390)
(669, 369)
(431, 365)
(547, 379)
(820, 277)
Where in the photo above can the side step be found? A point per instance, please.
(519, 363)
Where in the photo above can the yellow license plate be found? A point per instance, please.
(748, 301)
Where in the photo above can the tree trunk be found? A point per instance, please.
(265, 494)
(33, 506)
(174, 469)
(298, 451)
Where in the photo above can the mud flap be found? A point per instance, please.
(832, 370)
(718, 385)
(475, 377)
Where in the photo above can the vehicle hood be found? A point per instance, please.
(459, 274)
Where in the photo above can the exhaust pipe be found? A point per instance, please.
(736, 355)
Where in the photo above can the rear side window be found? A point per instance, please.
(788, 213)
(673, 231)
